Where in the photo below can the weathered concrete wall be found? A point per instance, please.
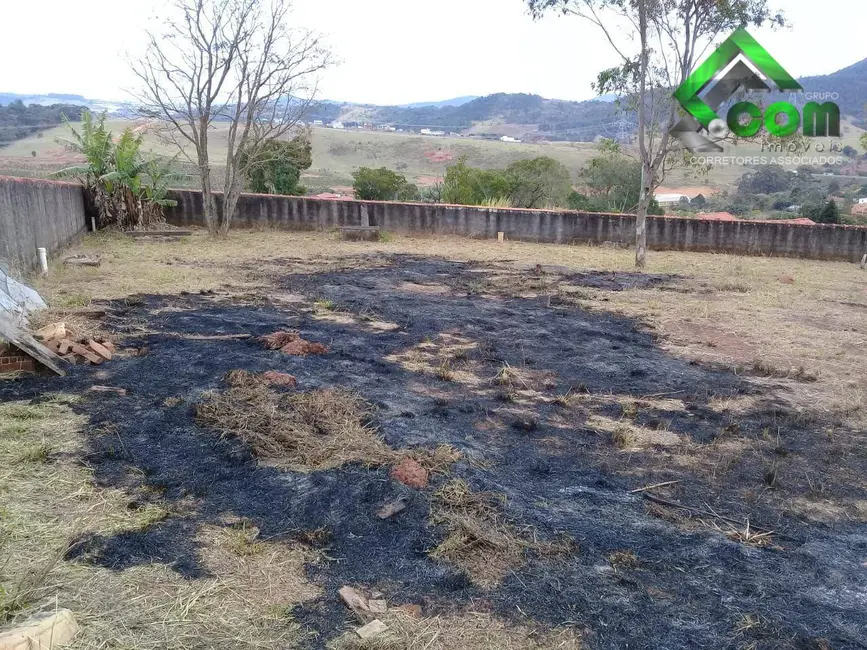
(663, 233)
(37, 213)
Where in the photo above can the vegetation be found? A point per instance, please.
(382, 185)
(122, 186)
(278, 166)
(18, 121)
(532, 183)
(611, 183)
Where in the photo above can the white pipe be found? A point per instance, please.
(43, 260)
(93, 224)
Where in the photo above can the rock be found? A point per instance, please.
(372, 629)
(410, 473)
(392, 508)
(41, 632)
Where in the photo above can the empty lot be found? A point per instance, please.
(543, 390)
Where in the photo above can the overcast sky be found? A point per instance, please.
(392, 51)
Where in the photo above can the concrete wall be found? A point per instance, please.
(37, 213)
(663, 233)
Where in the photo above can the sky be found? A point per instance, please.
(392, 51)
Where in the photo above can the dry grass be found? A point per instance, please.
(478, 539)
(47, 502)
(464, 631)
(317, 429)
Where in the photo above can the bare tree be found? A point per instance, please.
(658, 42)
(231, 61)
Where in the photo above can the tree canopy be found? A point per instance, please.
(382, 184)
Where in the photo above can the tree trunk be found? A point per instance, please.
(641, 217)
(230, 201)
(209, 211)
(646, 169)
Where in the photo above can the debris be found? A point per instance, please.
(217, 337)
(17, 299)
(372, 629)
(377, 606)
(653, 487)
(41, 632)
(391, 509)
(354, 601)
(279, 378)
(292, 343)
(108, 389)
(27, 344)
(409, 472)
(82, 260)
(53, 331)
(100, 349)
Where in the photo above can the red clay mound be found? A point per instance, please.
(279, 378)
(410, 473)
(292, 343)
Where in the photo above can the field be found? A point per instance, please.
(579, 455)
(423, 159)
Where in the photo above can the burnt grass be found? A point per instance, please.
(691, 586)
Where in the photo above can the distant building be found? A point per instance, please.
(715, 216)
(508, 138)
(671, 198)
(337, 125)
(318, 122)
(432, 132)
(862, 201)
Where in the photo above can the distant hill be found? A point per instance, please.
(850, 83)
(455, 101)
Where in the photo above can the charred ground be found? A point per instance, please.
(561, 410)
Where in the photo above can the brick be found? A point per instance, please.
(83, 352)
(409, 472)
(100, 349)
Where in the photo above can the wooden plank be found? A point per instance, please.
(26, 343)
(82, 261)
(158, 233)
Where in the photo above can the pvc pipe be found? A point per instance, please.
(43, 260)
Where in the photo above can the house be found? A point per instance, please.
(862, 201)
(670, 198)
(318, 122)
(337, 125)
(432, 132)
(508, 138)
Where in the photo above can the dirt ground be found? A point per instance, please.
(568, 386)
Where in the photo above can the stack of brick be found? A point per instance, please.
(14, 360)
(55, 338)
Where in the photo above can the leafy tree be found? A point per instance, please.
(833, 187)
(781, 204)
(382, 185)
(537, 182)
(612, 183)
(829, 213)
(278, 167)
(850, 152)
(699, 202)
(465, 185)
(767, 179)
